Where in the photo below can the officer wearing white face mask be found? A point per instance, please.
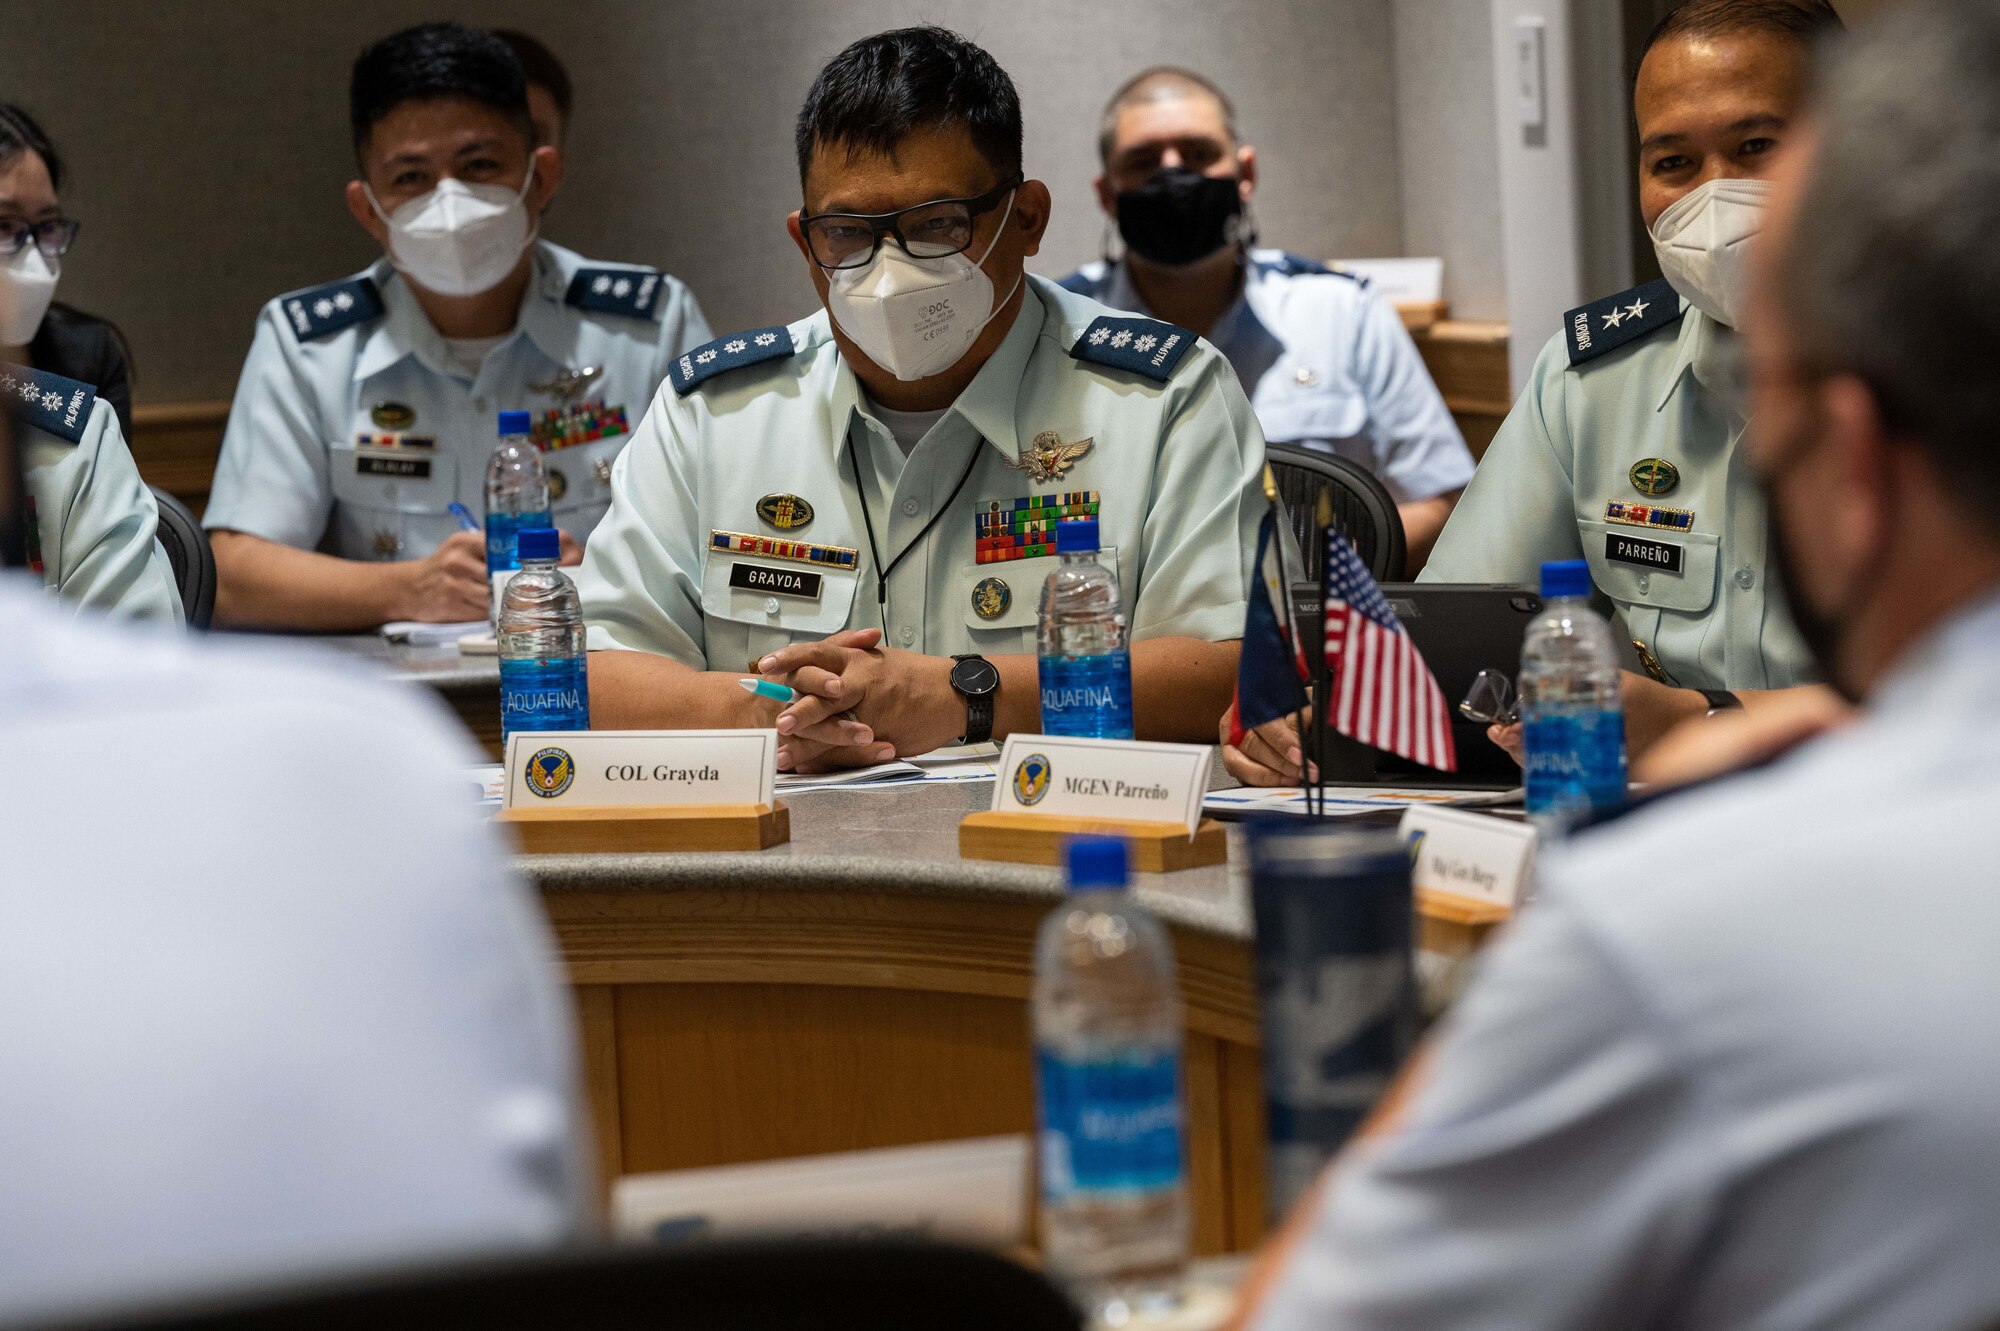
(91, 523)
(861, 504)
(368, 406)
(1625, 448)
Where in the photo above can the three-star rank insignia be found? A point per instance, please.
(1049, 458)
(1653, 477)
(785, 512)
(46, 401)
(1603, 326)
(753, 347)
(992, 598)
(1127, 342)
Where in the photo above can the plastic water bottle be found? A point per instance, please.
(1572, 705)
(1086, 668)
(517, 492)
(543, 683)
(1107, 1075)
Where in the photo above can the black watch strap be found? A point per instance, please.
(1721, 700)
(978, 706)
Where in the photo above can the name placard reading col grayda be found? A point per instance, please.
(1121, 779)
(593, 769)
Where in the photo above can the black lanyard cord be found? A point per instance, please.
(868, 521)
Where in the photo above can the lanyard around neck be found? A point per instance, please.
(868, 521)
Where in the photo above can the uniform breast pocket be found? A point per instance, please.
(753, 606)
(390, 480)
(580, 482)
(1002, 601)
(1643, 567)
(1332, 412)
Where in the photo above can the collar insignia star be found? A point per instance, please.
(1049, 458)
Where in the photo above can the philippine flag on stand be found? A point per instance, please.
(1380, 691)
(1271, 667)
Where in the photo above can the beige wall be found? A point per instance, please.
(207, 139)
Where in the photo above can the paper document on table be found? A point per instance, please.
(891, 771)
(490, 780)
(1346, 801)
(964, 762)
(432, 635)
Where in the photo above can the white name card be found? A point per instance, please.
(1469, 854)
(594, 769)
(974, 1191)
(1103, 778)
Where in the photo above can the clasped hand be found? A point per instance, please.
(860, 704)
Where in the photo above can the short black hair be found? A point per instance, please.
(20, 133)
(436, 60)
(1158, 84)
(884, 88)
(543, 68)
(1804, 21)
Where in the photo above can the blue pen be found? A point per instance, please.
(764, 688)
(466, 522)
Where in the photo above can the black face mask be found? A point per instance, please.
(1178, 215)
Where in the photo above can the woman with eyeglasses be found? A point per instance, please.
(91, 523)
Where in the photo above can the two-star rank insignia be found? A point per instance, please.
(634, 292)
(47, 401)
(1604, 326)
(320, 312)
(754, 347)
(1125, 342)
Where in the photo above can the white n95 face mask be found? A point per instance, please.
(1703, 243)
(27, 285)
(916, 317)
(459, 239)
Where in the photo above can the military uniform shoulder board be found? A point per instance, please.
(1603, 326)
(1126, 342)
(320, 312)
(1297, 265)
(634, 292)
(693, 368)
(47, 401)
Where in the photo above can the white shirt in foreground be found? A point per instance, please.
(272, 1003)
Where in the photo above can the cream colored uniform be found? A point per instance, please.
(772, 415)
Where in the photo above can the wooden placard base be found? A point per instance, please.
(1456, 926)
(1037, 838)
(649, 827)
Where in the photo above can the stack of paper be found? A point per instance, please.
(432, 635)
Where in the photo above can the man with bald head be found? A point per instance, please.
(1326, 362)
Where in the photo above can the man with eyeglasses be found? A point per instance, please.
(1326, 362)
(833, 504)
(91, 524)
(369, 406)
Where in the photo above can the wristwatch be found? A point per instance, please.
(975, 680)
(1720, 700)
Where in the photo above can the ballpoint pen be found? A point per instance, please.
(466, 522)
(764, 688)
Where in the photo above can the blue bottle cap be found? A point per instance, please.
(1095, 862)
(538, 542)
(1076, 534)
(515, 422)
(1565, 577)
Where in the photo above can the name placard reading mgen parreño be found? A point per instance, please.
(595, 769)
(1103, 778)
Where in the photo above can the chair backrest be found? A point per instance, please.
(1363, 509)
(727, 1285)
(188, 551)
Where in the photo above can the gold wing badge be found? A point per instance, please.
(1049, 458)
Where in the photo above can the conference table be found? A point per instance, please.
(863, 985)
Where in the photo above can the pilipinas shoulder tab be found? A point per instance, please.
(1298, 265)
(633, 292)
(1603, 326)
(1127, 342)
(693, 368)
(47, 401)
(323, 311)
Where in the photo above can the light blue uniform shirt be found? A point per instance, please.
(302, 462)
(1727, 1071)
(96, 523)
(1173, 456)
(1328, 365)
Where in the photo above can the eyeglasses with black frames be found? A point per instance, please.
(927, 231)
(53, 237)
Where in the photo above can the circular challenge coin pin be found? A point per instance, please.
(1654, 477)
(991, 598)
(392, 415)
(785, 512)
(558, 485)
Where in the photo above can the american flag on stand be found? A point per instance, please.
(1379, 691)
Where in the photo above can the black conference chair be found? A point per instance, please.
(188, 551)
(736, 1285)
(1363, 510)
